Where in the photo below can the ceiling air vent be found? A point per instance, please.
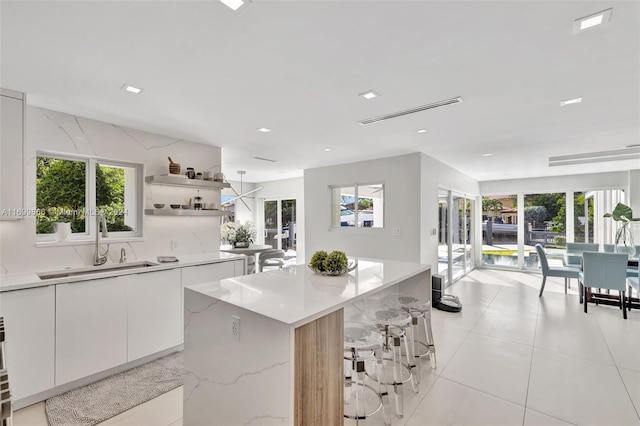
(595, 157)
(265, 159)
(411, 111)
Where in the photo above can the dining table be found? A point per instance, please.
(252, 252)
(606, 298)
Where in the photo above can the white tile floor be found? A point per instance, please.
(509, 358)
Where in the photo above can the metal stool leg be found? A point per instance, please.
(384, 395)
(359, 370)
(430, 341)
(397, 377)
(411, 361)
(415, 332)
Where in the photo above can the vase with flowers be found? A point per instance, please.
(624, 235)
(238, 235)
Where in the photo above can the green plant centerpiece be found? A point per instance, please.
(623, 214)
(334, 263)
(239, 236)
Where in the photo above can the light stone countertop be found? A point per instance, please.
(295, 295)
(32, 280)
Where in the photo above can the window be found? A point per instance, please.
(367, 212)
(500, 230)
(73, 189)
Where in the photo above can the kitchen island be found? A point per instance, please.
(268, 348)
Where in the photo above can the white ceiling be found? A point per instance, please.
(214, 76)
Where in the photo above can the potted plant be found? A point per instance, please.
(623, 214)
(239, 236)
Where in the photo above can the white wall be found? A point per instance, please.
(634, 192)
(401, 178)
(54, 131)
(411, 203)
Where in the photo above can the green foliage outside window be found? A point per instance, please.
(61, 195)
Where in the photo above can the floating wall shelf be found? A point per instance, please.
(184, 212)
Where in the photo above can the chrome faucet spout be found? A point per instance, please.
(100, 257)
(123, 255)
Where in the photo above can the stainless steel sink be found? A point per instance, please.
(95, 270)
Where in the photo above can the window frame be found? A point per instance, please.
(356, 210)
(91, 162)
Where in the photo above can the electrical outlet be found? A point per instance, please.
(174, 245)
(235, 326)
(396, 231)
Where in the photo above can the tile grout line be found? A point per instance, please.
(616, 366)
(526, 397)
(469, 332)
(481, 391)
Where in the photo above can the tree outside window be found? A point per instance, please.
(63, 188)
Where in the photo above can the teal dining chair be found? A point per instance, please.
(577, 249)
(565, 272)
(633, 283)
(604, 270)
(632, 271)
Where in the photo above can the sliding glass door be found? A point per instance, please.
(456, 226)
(280, 225)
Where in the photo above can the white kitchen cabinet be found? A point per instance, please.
(91, 327)
(29, 318)
(11, 157)
(154, 312)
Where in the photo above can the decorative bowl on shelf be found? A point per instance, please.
(186, 206)
(158, 205)
(175, 206)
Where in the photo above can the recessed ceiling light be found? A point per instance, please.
(571, 101)
(235, 4)
(487, 155)
(327, 149)
(132, 89)
(591, 21)
(263, 130)
(369, 95)
(421, 131)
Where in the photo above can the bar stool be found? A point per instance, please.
(395, 327)
(362, 345)
(420, 311)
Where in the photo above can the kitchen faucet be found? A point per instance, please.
(100, 258)
(123, 255)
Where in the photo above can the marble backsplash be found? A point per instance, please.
(56, 132)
